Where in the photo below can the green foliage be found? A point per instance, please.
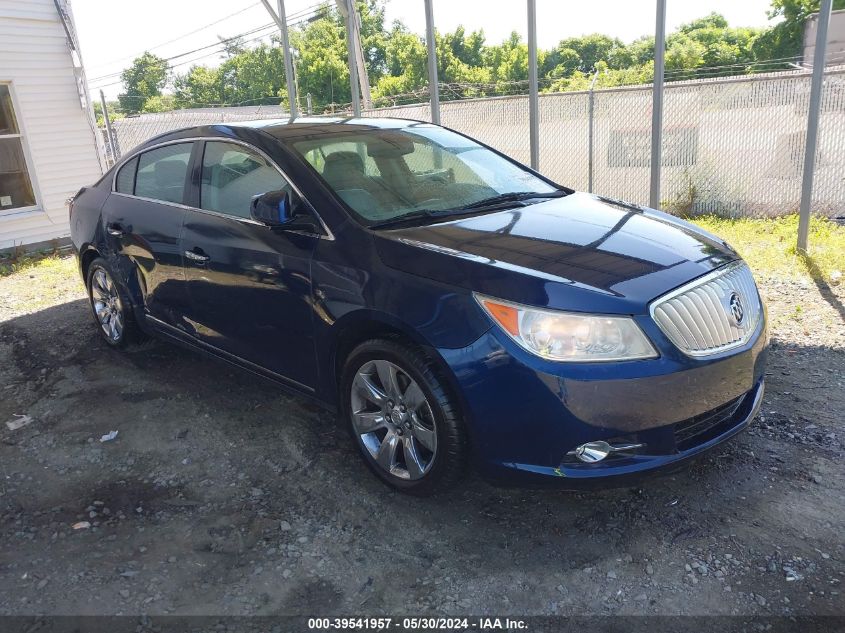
(708, 43)
(114, 112)
(768, 245)
(468, 66)
(785, 39)
(159, 103)
(321, 65)
(145, 78)
(582, 54)
(199, 86)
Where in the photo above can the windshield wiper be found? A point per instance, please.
(415, 217)
(408, 218)
(515, 196)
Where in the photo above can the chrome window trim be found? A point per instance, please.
(701, 281)
(328, 234)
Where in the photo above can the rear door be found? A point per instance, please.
(249, 286)
(143, 222)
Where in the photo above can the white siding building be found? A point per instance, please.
(48, 139)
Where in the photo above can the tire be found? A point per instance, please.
(119, 329)
(423, 423)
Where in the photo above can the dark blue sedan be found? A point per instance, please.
(452, 305)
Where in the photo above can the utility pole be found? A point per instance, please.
(433, 86)
(533, 88)
(813, 124)
(112, 140)
(281, 22)
(657, 105)
(591, 108)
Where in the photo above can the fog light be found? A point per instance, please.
(593, 452)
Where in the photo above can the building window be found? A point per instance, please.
(15, 184)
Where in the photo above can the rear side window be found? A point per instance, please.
(125, 182)
(162, 172)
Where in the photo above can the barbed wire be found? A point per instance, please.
(453, 91)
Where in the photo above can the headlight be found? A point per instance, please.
(569, 336)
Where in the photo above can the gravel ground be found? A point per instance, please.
(222, 496)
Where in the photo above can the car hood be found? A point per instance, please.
(581, 252)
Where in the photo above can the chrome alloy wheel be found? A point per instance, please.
(393, 419)
(107, 305)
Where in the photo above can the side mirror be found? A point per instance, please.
(281, 209)
(272, 208)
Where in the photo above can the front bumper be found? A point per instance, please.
(525, 413)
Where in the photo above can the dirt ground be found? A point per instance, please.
(222, 496)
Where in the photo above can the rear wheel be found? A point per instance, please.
(402, 418)
(111, 310)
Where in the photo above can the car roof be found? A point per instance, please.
(288, 129)
(284, 129)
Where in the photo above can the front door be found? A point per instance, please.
(143, 220)
(249, 286)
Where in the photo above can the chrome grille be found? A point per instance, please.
(700, 318)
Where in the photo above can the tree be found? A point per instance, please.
(710, 44)
(588, 51)
(232, 46)
(113, 108)
(145, 78)
(406, 70)
(159, 103)
(255, 76)
(468, 66)
(200, 86)
(784, 41)
(321, 65)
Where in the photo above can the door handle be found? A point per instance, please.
(116, 229)
(197, 255)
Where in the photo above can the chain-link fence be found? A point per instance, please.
(134, 130)
(731, 146)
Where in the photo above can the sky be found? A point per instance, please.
(111, 38)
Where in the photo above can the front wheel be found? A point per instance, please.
(402, 418)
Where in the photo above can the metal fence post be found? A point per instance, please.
(813, 124)
(281, 22)
(533, 88)
(433, 86)
(353, 64)
(290, 78)
(591, 100)
(115, 154)
(657, 105)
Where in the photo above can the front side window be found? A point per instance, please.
(232, 175)
(16, 190)
(161, 173)
(386, 174)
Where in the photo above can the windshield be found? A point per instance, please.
(386, 174)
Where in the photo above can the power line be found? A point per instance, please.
(306, 13)
(267, 27)
(191, 52)
(181, 37)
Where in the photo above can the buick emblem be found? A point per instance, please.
(736, 309)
